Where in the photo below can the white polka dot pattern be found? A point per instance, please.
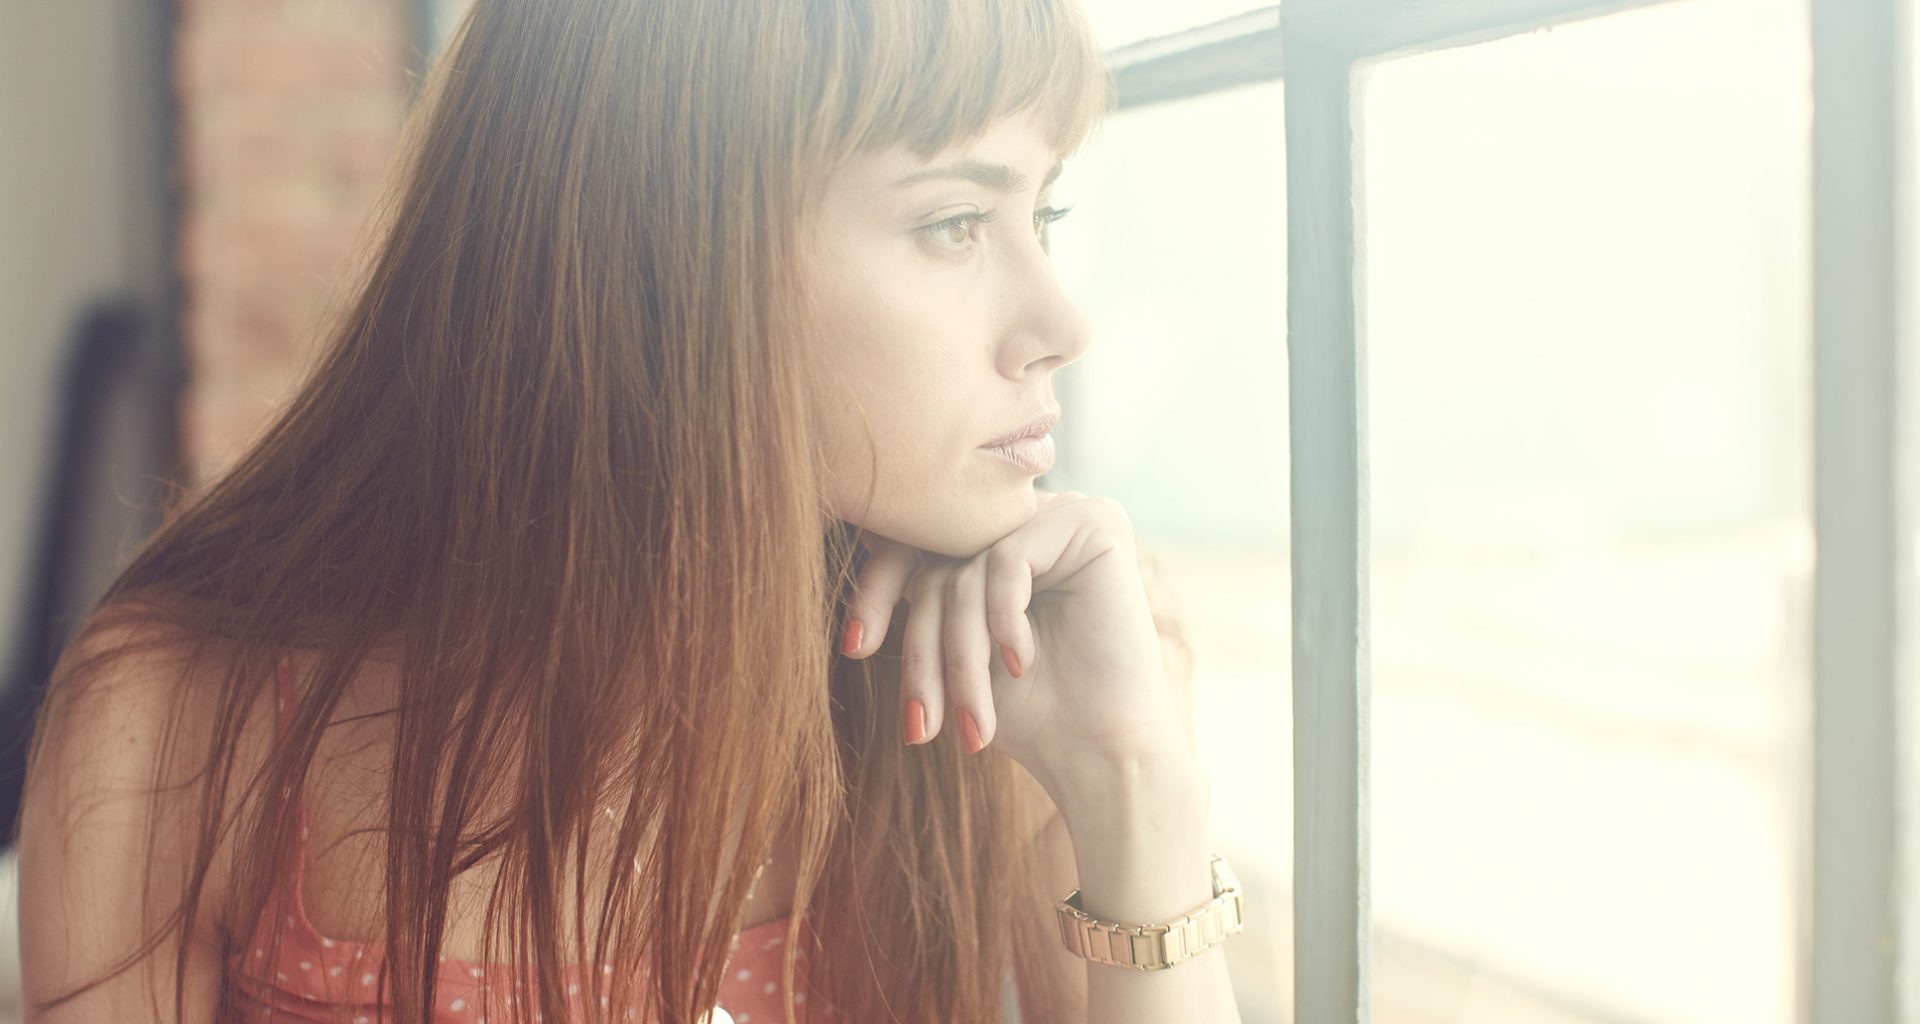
(306, 982)
(303, 977)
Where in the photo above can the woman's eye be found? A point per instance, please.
(958, 232)
(1044, 217)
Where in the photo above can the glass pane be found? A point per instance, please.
(1178, 410)
(1587, 318)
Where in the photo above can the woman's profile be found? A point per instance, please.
(644, 608)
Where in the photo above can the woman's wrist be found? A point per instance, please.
(1113, 781)
(1139, 830)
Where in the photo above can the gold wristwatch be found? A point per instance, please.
(1156, 947)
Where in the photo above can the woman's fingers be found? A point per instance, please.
(922, 691)
(1009, 590)
(877, 589)
(1049, 498)
(961, 616)
(966, 645)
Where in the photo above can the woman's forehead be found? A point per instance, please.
(1010, 156)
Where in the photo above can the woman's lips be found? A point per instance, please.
(1034, 428)
(1033, 454)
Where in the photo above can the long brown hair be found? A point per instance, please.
(555, 455)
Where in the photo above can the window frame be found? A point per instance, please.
(1856, 853)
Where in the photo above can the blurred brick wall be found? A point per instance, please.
(290, 110)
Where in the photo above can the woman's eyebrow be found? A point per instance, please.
(997, 176)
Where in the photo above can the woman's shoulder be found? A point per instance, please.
(111, 818)
(131, 704)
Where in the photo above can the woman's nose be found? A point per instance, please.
(1055, 325)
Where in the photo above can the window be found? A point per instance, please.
(1577, 391)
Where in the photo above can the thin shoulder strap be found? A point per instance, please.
(284, 699)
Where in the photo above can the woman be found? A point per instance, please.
(604, 629)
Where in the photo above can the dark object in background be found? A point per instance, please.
(116, 411)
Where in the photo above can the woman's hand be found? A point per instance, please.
(1043, 644)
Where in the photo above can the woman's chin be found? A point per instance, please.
(958, 539)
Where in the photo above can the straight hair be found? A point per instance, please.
(553, 458)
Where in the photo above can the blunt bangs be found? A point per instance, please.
(934, 74)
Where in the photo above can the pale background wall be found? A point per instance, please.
(81, 221)
(287, 111)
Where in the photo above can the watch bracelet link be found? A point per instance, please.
(1156, 947)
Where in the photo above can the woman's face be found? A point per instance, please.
(947, 331)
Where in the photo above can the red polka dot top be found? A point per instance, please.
(314, 978)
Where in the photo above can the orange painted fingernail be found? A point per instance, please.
(1013, 662)
(970, 733)
(915, 720)
(850, 637)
